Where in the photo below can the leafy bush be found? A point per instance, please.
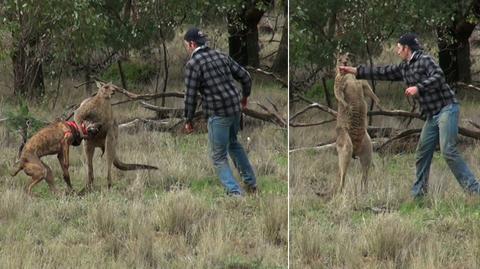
(22, 120)
(317, 92)
(134, 72)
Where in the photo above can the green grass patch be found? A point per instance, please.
(239, 262)
(317, 92)
(271, 185)
(210, 185)
(282, 160)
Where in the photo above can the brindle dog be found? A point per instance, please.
(55, 138)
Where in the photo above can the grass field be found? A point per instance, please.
(176, 217)
(383, 228)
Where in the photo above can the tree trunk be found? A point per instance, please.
(280, 64)
(37, 86)
(252, 46)
(454, 57)
(446, 58)
(28, 74)
(122, 74)
(328, 99)
(18, 61)
(243, 34)
(88, 85)
(236, 42)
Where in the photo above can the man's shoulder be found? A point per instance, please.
(425, 57)
(206, 55)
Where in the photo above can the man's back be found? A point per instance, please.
(213, 74)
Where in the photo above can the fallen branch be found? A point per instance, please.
(469, 132)
(276, 116)
(317, 148)
(399, 136)
(394, 113)
(271, 74)
(148, 124)
(315, 105)
(381, 131)
(267, 116)
(311, 124)
(331, 146)
(469, 86)
(163, 112)
(476, 125)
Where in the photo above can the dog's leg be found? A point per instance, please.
(33, 168)
(344, 150)
(365, 156)
(64, 164)
(17, 169)
(49, 178)
(35, 181)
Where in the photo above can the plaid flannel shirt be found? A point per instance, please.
(213, 74)
(422, 71)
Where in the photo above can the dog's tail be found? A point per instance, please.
(131, 166)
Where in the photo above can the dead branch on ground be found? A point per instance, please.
(375, 131)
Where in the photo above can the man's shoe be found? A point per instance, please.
(235, 194)
(252, 190)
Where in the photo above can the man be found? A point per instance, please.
(438, 106)
(213, 75)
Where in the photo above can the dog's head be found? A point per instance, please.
(346, 59)
(106, 90)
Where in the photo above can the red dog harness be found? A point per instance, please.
(78, 133)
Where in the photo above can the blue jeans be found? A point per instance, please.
(222, 137)
(442, 128)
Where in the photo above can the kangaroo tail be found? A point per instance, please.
(131, 166)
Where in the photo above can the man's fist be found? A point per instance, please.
(347, 70)
(411, 91)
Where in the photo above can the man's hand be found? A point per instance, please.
(411, 91)
(188, 127)
(243, 102)
(347, 70)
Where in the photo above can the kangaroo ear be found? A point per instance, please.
(99, 84)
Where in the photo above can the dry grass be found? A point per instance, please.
(176, 217)
(383, 228)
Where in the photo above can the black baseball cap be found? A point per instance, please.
(196, 35)
(411, 40)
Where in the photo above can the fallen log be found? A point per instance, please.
(164, 112)
(311, 124)
(474, 124)
(397, 137)
(391, 113)
(331, 146)
(265, 116)
(394, 113)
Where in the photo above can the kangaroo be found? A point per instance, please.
(352, 137)
(97, 110)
